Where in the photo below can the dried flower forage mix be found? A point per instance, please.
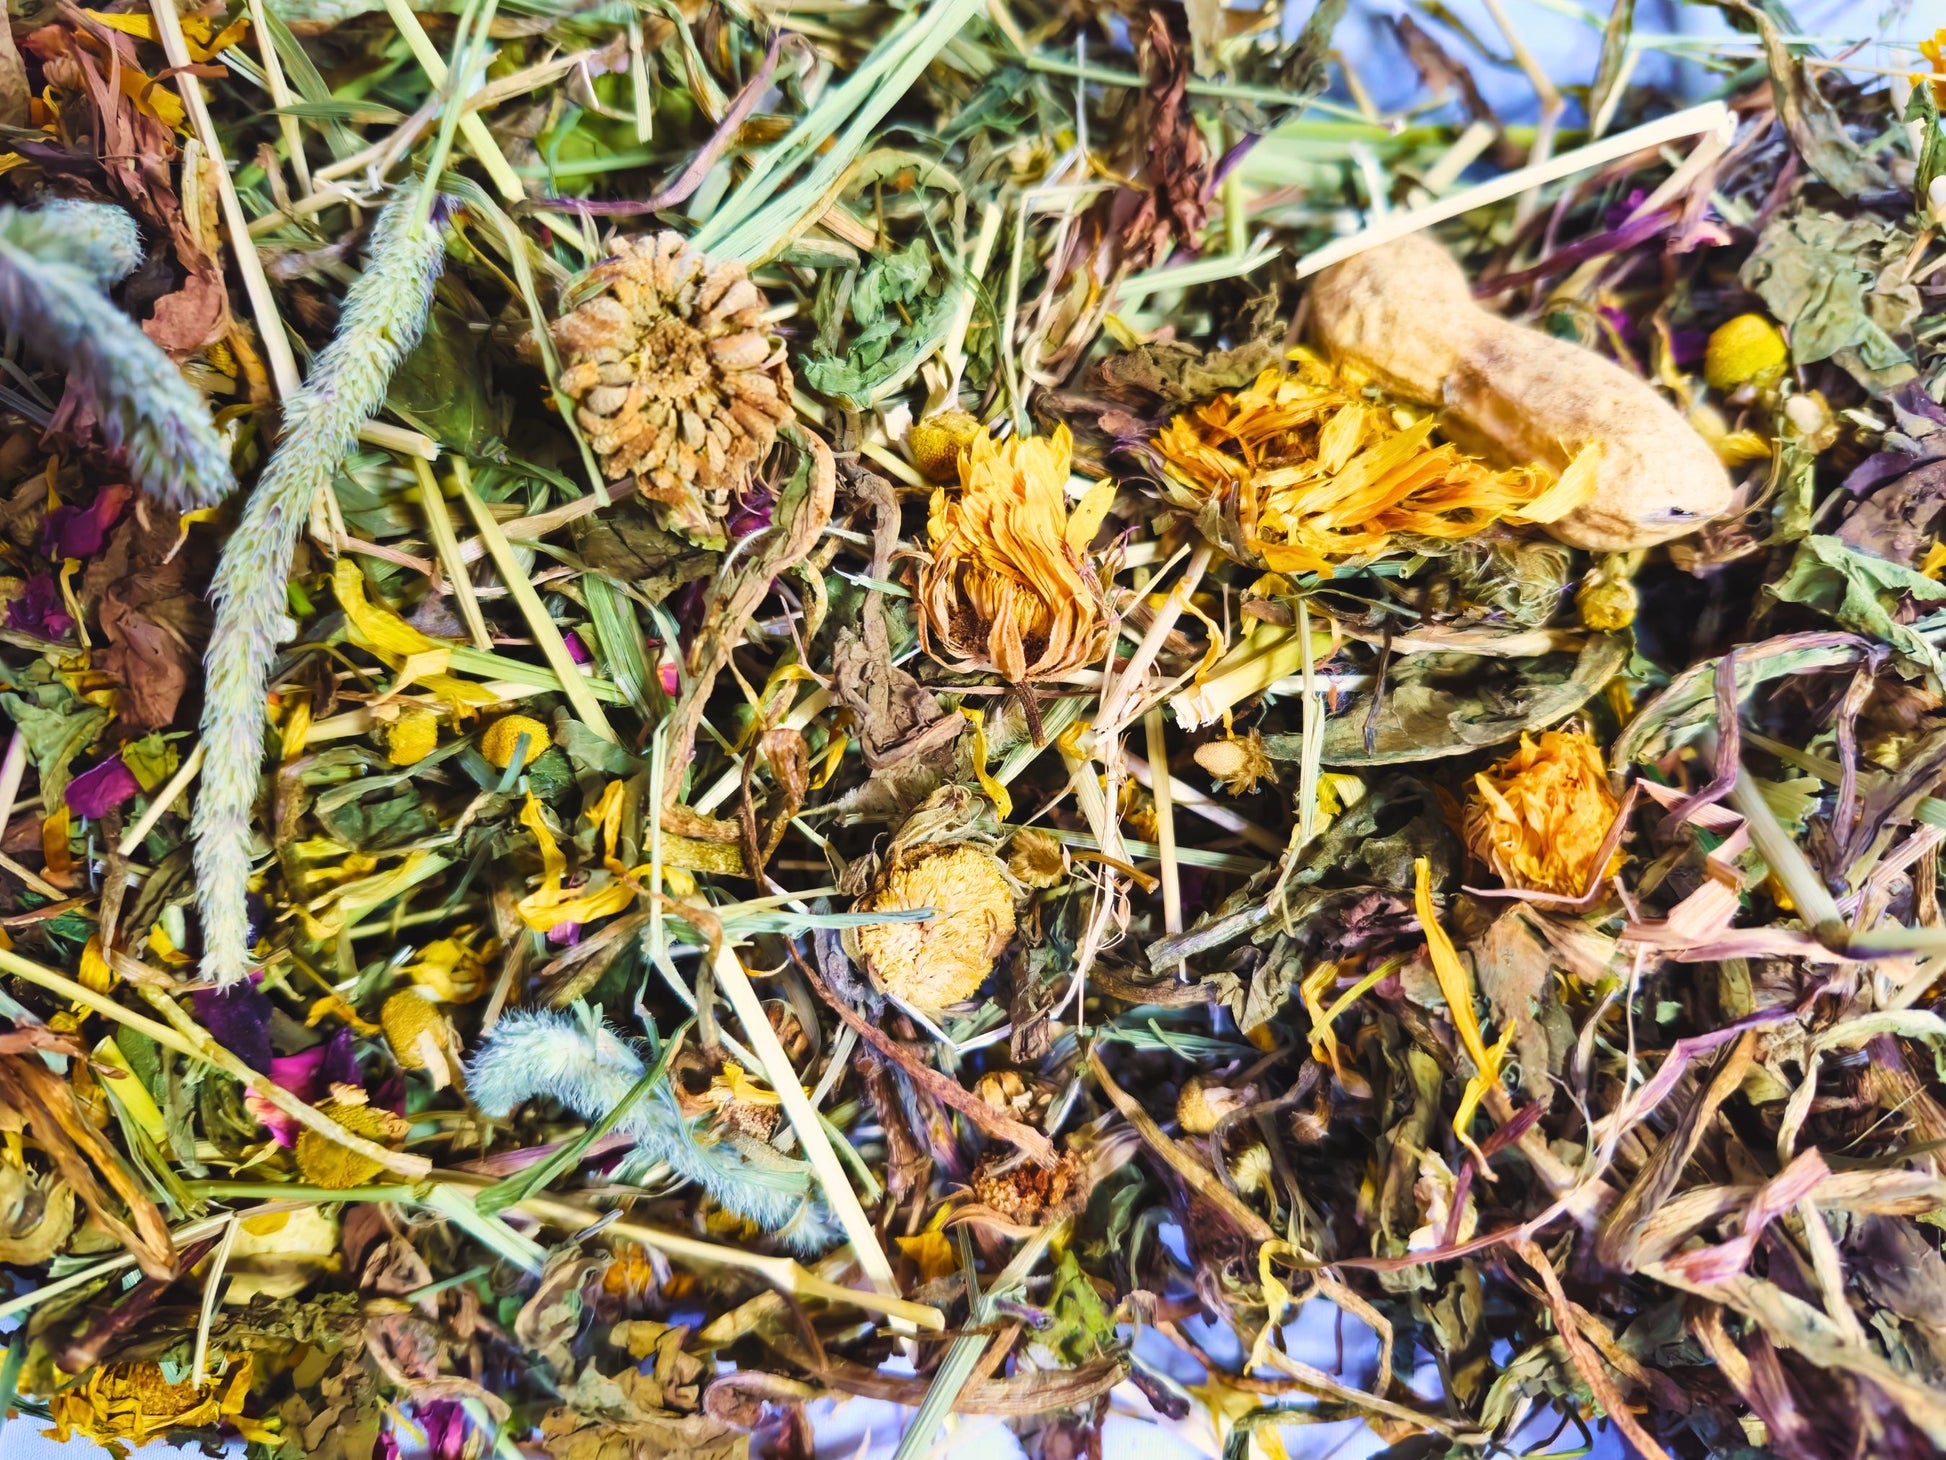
(676, 378)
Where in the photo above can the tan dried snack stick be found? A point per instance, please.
(1404, 314)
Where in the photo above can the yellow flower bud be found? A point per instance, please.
(1035, 858)
(936, 443)
(498, 741)
(1744, 351)
(406, 1018)
(413, 736)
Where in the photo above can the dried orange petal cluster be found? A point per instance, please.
(676, 380)
(1539, 817)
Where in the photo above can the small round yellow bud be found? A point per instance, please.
(936, 443)
(498, 741)
(1607, 605)
(1744, 351)
(1035, 858)
(413, 736)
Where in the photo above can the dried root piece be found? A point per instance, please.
(677, 383)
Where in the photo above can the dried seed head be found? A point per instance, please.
(1035, 858)
(324, 1162)
(497, 742)
(945, 959)
(1028, 1194)
(1748, 350)
(676, 381)
(936, 443)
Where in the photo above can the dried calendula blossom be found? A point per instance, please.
(1317, 470)
(1539, 817)
(323, 1162)
(138, 1402)
(1011, 588)
(676, 378)
(413, 736)
(946, 957)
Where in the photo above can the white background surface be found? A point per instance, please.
(1569, 50)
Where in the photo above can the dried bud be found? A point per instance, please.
(412, 736)
(1035, 858)
(498, 741)
(1748, 350)
(679, 386)
(1029, 1194)
(1607, 598)
(936, 443)
(945, 959)
(1203, 1104)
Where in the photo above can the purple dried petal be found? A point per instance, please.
(567, 934)
(102, 788)
(81, 532)
(239, 1017)
(444, 1421)
(577, 651)
(38, 610)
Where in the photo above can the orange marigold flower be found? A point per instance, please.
(1538, 818)
(1010, 587)
(1318, 470)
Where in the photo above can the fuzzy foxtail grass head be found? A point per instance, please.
(575, 1059)
(384, 313)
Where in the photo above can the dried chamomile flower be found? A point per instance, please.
(419, 1035)
(1011, 588)
(936, 442)
(498, 740)
(1748, 350)
(1539, 817)
(677, 381)
(947, 957)
(1035, 859)
(1236, 763)
(1203, 1102)
(323, 1162)
(137, 1402)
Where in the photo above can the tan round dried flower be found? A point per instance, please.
(1031, 1195)
(1035, 858)
(676, 380)
(936, 443)
(1236, 763)
(947, 957)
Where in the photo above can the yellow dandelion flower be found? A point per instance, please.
(1538, 818)
(1010, 588)
(1318, 471)
(946, 958)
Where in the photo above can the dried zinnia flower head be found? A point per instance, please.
(676, 380)
(1539, 817)
(1314, 469)
(947, 957)
(1011, 588)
